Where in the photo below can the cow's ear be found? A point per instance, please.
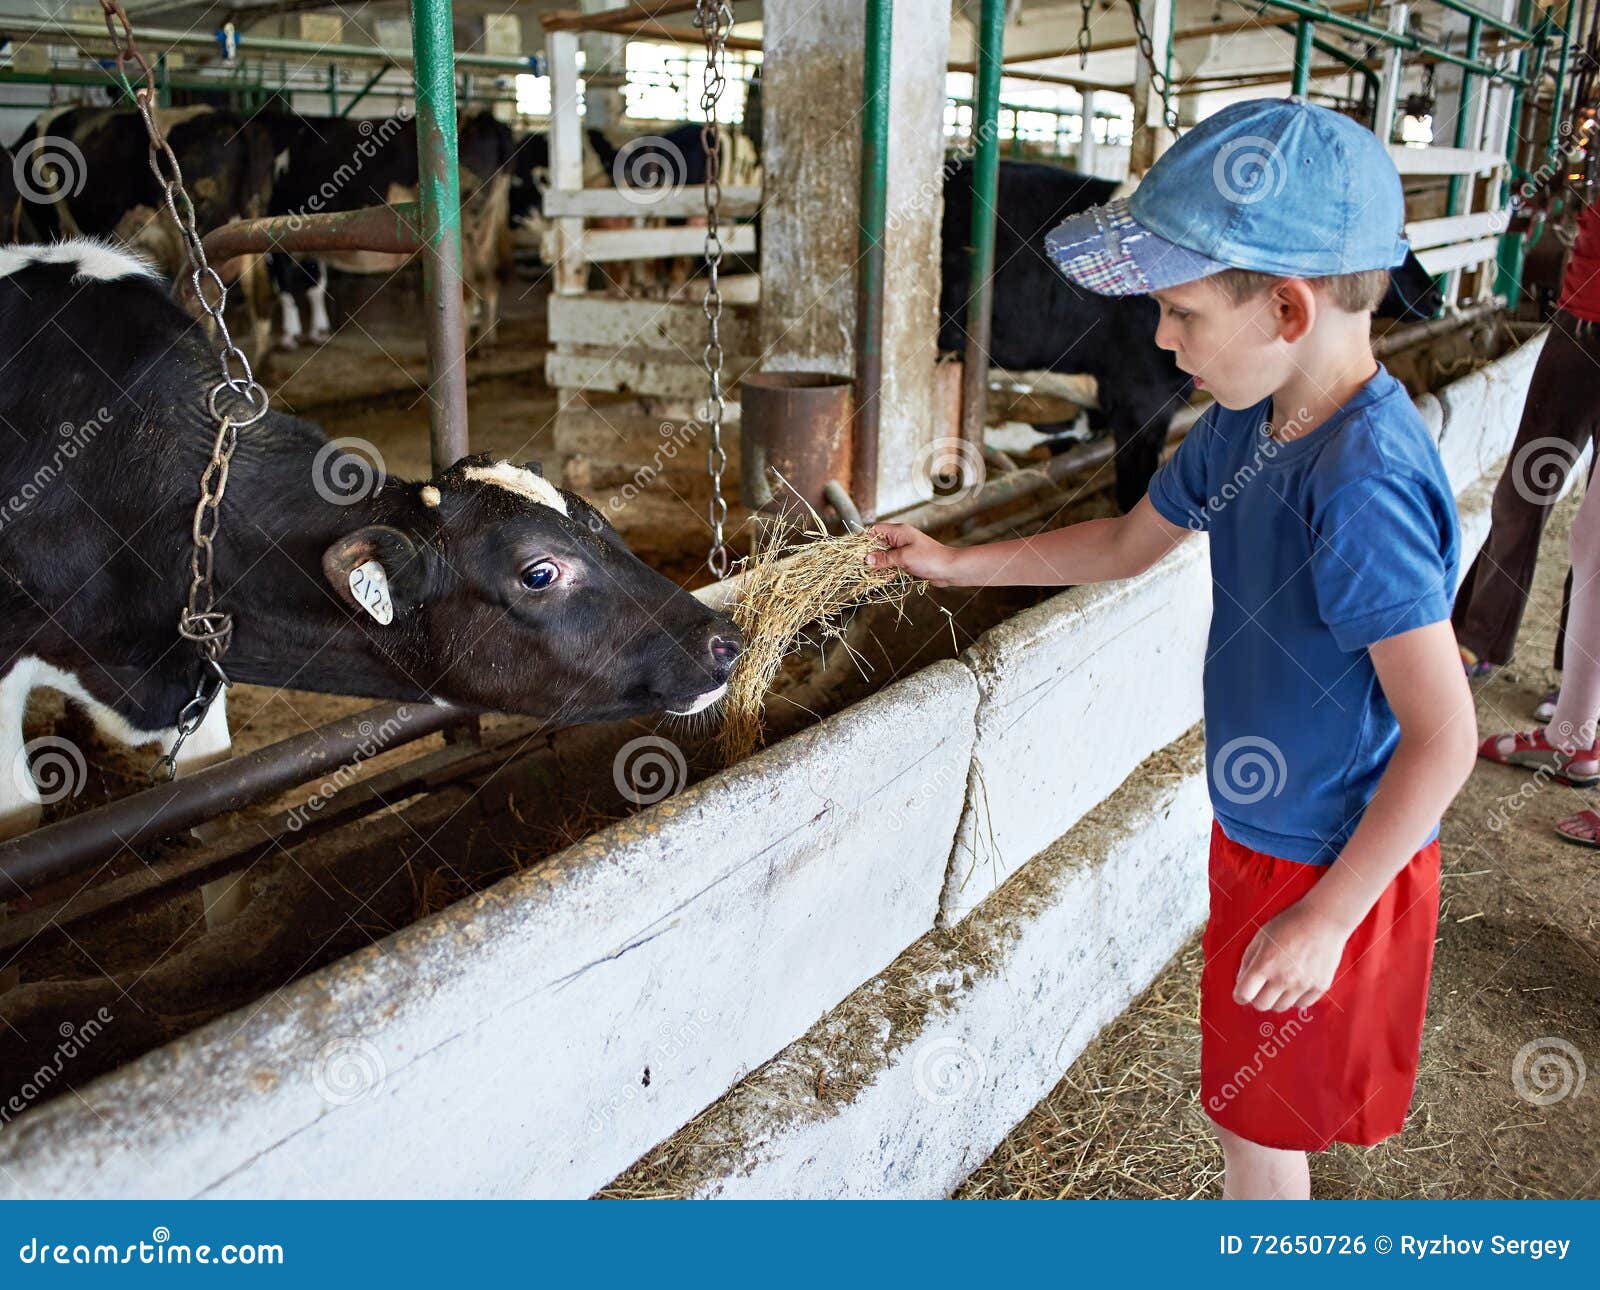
(536, 467)
(378, 569)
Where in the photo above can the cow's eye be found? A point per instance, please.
(536, 577)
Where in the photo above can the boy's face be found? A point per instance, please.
(1236, 352)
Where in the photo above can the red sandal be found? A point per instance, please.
(1582, 828)
(1530, 750)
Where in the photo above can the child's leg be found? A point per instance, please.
(1255, 1172)
(1573, 725)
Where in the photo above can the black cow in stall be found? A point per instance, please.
(1042, 322)
(89, 175)
(530, 173)
(330, 164)
(485, 588)
(16, 225)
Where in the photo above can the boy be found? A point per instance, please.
(1266, 235)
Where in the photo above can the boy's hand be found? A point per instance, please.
(1291, 961)
(916, 553)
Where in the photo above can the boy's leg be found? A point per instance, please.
(1255, 1172)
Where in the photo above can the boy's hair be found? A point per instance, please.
(1353, 292)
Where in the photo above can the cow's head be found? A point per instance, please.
(509, 594)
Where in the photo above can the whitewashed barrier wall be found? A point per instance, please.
(500, 1047)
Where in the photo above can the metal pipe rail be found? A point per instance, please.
(1400, 40)
(82, 841)
(155, 37)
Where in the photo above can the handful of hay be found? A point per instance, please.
(788, 586)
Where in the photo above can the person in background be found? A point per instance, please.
(1560, 416)
(1563, 407)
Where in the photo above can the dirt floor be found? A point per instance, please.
(1504, 1107)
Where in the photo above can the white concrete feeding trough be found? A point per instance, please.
(937, 896)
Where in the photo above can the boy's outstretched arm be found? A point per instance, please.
(1094, 551)
(1293, 958)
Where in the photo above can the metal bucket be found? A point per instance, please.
(795, 425)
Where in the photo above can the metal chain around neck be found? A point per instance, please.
(715, 20)
(1158, 70)
(200, 622)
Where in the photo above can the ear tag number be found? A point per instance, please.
(369, 584)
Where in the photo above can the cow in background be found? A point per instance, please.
(1042, 322)
(332, 164)
(226, 160)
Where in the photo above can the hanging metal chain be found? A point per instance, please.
(1083, 35)
(1158, 71)
(715, 20)
(209, 629)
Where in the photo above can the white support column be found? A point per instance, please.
(811, 87)
(566, 158)
(605, 69)
(1087, 151)
(1389, 78)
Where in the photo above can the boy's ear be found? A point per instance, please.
(1295, 303)
(402, 562)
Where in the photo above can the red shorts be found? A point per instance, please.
(1343, 1069)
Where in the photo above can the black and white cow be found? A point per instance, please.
(486, 587)
(16, 225)
(108, 189)
(530, 174)
(1042, 322)
(329, 164)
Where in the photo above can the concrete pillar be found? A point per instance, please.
(605, 70)
(811, 79)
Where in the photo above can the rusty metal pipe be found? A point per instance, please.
(83, 841)
(396, 229)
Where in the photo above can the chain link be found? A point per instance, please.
(715, 20)
(1083, 38)
(1158, 71)
(207, 628)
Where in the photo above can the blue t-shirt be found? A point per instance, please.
(1319, 547)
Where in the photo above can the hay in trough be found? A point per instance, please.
(791, 584)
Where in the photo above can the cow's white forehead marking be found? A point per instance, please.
(91, 259)
(519, 480)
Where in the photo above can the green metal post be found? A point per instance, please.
(985, 190)
(333, 89)
(1474, 36)
(1302, 56)
(163, 83)
(433, 42)
(1513, 246)
(873, 219)
(1561, 82)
